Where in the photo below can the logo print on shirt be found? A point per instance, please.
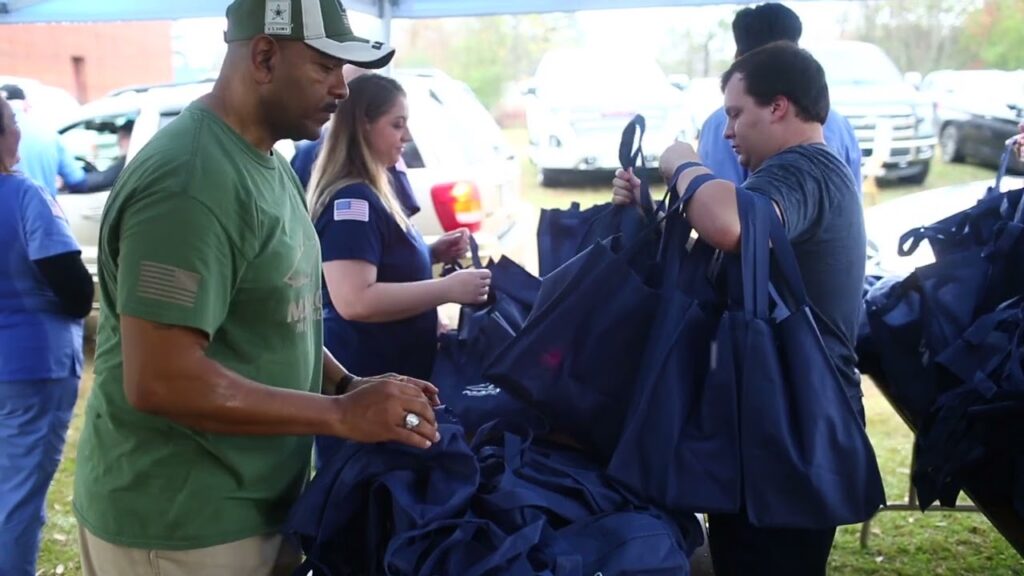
(355, 209)
(307, 306)
(299, 276)
(168, 284)
(278, 19)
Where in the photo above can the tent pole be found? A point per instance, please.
(385, 13)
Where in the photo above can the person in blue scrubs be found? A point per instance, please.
(380, 297)
(45, 291)
(753, 28)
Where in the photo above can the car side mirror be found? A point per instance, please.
(913, 78)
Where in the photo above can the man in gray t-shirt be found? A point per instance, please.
(776, 100)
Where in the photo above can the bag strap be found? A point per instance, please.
(754, 254)
(1004, 164)
(633, 157)
(474, 255)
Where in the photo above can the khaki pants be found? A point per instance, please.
(256, 556)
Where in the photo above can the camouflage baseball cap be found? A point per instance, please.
(321, 24)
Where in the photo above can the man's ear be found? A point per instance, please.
(780, 107)
(264, 57)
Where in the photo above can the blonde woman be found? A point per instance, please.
(380, 297)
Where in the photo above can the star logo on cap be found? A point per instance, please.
(278, 12)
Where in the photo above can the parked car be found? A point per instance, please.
(461, 169)
(885, 223)
(976, 111)
(867, 88)
(575, 111)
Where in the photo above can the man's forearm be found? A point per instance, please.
(220, 401)
(712, 211)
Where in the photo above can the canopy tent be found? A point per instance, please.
(36, 11)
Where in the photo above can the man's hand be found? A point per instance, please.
(673, 156)
(451, 246)
(625, 187)
(374, 410)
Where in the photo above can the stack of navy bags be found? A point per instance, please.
(506, 505)
(681, 375)
(945, 343)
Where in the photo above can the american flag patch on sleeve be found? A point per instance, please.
(168, 284)
(351, 209)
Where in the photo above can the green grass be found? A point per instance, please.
(901, 543)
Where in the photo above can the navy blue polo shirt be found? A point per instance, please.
(355, 225)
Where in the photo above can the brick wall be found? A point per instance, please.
(109, 56)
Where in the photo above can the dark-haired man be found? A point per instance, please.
(210, 362)
(776, 100)
(752, 28)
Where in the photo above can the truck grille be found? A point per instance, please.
(864, 127)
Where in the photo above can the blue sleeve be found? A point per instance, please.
(68, 168)
(841, 138)
(716, 152)
(793, 190)
(305, 155)
(46, 229)
(353, 225)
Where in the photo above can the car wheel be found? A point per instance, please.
(950, 142)
(918, 177)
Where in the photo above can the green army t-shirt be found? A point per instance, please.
(205, 231)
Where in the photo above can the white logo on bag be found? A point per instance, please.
(480, 390)
(278, 19)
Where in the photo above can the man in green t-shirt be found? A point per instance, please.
(209, 367)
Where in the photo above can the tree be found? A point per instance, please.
(699, 52)
(487, 53)
(995, 33)
(921, 35)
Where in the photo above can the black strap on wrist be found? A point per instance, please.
(679, 172)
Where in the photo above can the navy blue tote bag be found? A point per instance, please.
(578, 355)
(807, 461)
(979, 263)
(513, 291)
(562, 234)
(680, 443)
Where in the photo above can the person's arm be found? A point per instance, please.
(69, 170)
(105, 179)
(355, 229)
(167, 373)
(712, 211)
(70, 282)
(358, 297)
(53, 250)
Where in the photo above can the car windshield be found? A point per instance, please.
(856, 64)
(95, 141)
